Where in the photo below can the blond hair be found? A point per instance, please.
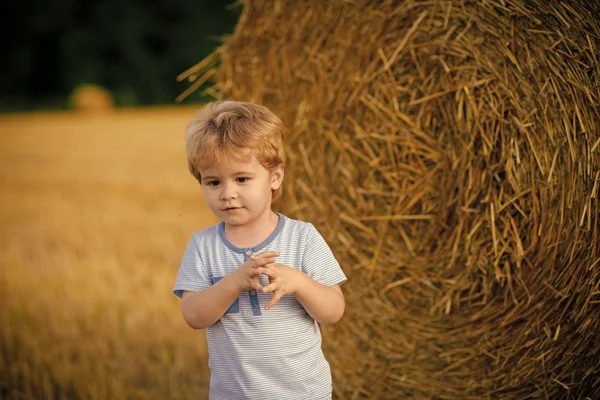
(226, 129)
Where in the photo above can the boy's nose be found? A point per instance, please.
(228, 193)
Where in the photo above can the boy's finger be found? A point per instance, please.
(273, 266)
(254, 273)
(259, 262)
(272, 287)
(264, 254)
(261, 270)
(276, 297)
(271, 273)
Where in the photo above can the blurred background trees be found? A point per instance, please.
(134, 48)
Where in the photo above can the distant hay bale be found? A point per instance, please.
(91, 99)
(450, 153)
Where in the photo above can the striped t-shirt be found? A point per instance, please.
(254, 353)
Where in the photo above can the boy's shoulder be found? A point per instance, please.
(297, 226)
(296, 223)
(210, 232)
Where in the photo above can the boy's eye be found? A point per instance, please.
(242, 179)
(213, 183)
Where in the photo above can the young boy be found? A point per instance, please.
(259, 282)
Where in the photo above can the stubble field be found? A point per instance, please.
(95, 213)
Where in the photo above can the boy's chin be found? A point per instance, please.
(237, 217)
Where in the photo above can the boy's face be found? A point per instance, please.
(239, 191)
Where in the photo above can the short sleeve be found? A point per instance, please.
(192, 273)
(319, 263)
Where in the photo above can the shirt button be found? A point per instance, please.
(253, 293)
(248, 253)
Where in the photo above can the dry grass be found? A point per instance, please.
(95, 212)
(449, 151)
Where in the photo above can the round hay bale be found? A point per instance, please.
(450, 154)
(91, 98)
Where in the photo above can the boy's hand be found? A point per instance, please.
(282, 281)
(247, 274)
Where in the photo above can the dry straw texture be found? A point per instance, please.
(450, 154)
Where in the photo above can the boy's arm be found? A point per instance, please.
(325, 304)
(316, 283)
(204, 308)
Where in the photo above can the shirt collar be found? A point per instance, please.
(258, 247)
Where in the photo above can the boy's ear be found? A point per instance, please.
(277, 177)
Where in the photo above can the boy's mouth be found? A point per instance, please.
(231, 208)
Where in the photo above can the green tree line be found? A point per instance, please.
(134, 48)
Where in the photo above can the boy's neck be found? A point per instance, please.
(253, 233)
